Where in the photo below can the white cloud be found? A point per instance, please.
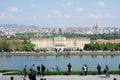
(33, 6)
(78, 17)
(109, 15)
(95, 16)
(79, 9)
(100, 3)
(48, 16)
(2, 16)
(64, 16)
(5, 15)
(67, 4)
(100, 16)
(14, 9)
(56, 12)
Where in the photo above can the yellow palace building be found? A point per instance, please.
(60, 43)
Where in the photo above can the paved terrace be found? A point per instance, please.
(64, 77)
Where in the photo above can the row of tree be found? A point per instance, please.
(27, 36)
(102, 46)
(13, 45)
(95, 36)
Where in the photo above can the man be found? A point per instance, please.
(85, 69)
(99, 69)
(69, 68)
(38, 70)
(42, 69)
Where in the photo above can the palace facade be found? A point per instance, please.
(60, 43)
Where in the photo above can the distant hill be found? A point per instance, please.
(15, 26)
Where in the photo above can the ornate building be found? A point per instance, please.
(60, 43)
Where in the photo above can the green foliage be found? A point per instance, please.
(104, 36)
(12, 45)
(99, 46)
(27, 46)
(27, 36)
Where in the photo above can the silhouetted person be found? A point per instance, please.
(42, 69)
(119, 69)
(30, 75)
(99, 69)
(38, 70)
(69, 68)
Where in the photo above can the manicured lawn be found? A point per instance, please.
(17, 72)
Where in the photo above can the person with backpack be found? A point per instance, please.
(107, 71)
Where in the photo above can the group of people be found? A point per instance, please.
(33, 71)
(85, 69)
(39, 70)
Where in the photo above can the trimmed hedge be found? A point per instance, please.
(17, 72)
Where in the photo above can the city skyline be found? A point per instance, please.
(60, 13)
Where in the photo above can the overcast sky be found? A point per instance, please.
(61, 13)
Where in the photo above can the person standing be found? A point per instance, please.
(30, 75)
(57, 68)
(99, 69)
(33, 74)
(107, 71)
(42, 69)
(38, 70)
(33, 67)
(69, 68)
(119, 69)
(25, 70)
(85, 69)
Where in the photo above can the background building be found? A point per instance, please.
(60, 43)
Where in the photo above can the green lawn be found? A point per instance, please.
(17, 72)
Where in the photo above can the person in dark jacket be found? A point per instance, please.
(107, 71)
(99, 69)
(69, 68)
(85, 69)
(33, 75)
(38, 70)
(42, 69)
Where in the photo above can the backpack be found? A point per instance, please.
(104, 70)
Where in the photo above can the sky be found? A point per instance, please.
(61, 13)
